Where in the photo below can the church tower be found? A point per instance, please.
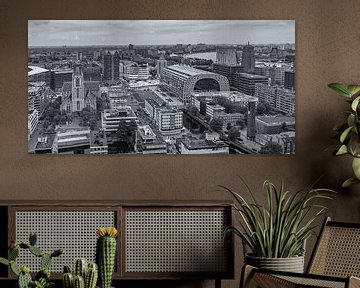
(78, 90)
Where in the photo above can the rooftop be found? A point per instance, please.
(252, 76)
(32, 70)
(45, 142)
(202, 144)
(276, 119)
(187, 70)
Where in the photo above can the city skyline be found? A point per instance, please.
(163, 32)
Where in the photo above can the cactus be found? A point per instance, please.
(90, 272)
(91, 276)
(68, 280)
(80, 267)
(45, 261)
(13, 253)
(24, 278)
(79, 282)
(105, 254)
(36, 251)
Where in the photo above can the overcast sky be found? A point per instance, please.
(156, 32)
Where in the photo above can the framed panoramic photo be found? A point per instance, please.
(161, 86)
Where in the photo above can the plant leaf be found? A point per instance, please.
(349, 182)
(353, 89)
(342, 150)
(355, 103)
(340, 89)
(356, 167)
(345, 134)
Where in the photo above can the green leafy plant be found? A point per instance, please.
(349, 131)
(279, 229)
(42, 278)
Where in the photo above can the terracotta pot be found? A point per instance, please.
(291, 264)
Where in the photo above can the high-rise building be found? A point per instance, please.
(248, 58)
(161, 64)
(251, 128)
(245, 82)
(229, 71)
(58, 77)
(226, 64)
(289, 81)
(226, 56)
(111, 66)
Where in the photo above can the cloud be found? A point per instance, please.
(123, 32)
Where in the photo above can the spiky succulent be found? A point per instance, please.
(106, 254)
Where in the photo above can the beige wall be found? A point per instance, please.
(328, 50)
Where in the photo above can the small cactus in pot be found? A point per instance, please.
(85, 275)
(106, 254)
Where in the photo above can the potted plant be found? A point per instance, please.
(349, 131)
(276, 233)
(42, 278)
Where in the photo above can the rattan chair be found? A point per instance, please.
(334, 263)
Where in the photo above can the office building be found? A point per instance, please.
(213, 110)
(58, 77)
(274, 124)
(92, 73)
(169, 121)
(111, 66)
(72, 139)
(110, 118)
(230, 118)
(38, 74)
(133, 71)
(38, 97)
(229, 71)
(210, 145)
(279, 98)
(245, 82)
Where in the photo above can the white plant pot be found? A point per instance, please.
(291, 264)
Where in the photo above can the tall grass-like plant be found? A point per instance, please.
(279, 229)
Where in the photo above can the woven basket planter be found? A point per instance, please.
(291, 264)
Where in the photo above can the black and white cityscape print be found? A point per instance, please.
(161, 86)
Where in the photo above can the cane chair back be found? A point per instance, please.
(337, 252)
